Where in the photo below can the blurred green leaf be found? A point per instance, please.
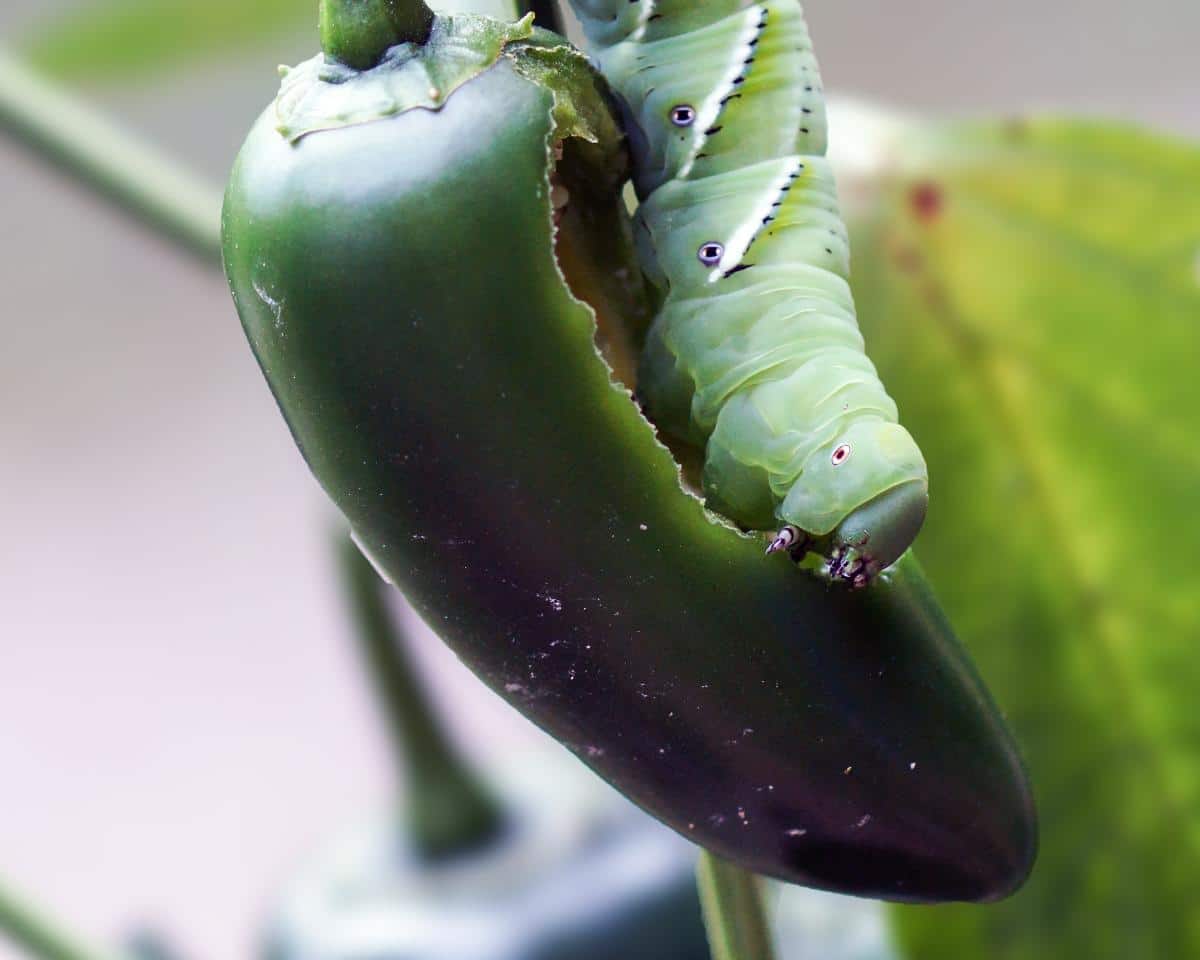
(122, 39)
(1031, 293)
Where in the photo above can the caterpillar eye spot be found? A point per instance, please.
(683, 115)
(841, 455)
(710, 254)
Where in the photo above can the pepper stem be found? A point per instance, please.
(733, 911)
(360, 32)
(449, 810)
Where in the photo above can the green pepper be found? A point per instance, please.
(390, 242)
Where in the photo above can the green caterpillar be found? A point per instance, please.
(755, 354)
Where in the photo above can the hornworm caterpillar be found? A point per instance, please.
(755, 354)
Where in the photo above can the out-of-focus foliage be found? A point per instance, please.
(1031, 293)
(123, 39)
(126, 38)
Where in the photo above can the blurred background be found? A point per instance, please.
(182, 718)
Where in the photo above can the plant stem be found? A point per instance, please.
(135, 176)
(36, 935)
(733, 911)
(449, 810)
(360, 32)
(546, 13)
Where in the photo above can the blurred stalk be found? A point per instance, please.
(149, 944)
(733, 911)
(448, 808)
(134, 175)
(33, 933)
(546, 13)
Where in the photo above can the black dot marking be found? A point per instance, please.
(840, 455)
(710, 253)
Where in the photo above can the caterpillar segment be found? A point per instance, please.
(755, 355)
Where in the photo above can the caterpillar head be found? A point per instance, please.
(875, 535)
(861, 499)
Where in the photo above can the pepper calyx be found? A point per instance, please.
(324, 93)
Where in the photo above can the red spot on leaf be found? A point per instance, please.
(927, 200)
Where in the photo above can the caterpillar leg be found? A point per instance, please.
(853, 566)
(846, 563)
(792, 539)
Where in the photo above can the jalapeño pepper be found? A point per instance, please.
(410, 234)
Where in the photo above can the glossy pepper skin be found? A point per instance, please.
(398, 284)
(539, 861)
